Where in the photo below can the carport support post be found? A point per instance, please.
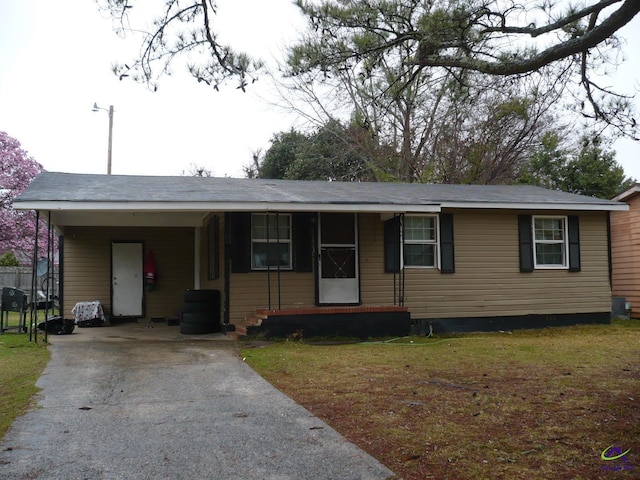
(196, 258)
(33, 332)
(48, 281)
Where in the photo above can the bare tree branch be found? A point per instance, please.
(515, 66)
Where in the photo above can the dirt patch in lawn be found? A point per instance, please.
(530, 404)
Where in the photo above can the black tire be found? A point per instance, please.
(199, 307)
(195, 329)
(200, 312)
(199, 323)
(206, 296)
(203, 318)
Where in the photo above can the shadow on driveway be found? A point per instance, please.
(142, 401)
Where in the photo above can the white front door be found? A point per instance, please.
(127, 281)
(338, 259)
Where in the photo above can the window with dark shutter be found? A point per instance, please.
(302, 241)
(420, 241)
(526, 243)
(574, 243)
(238, 241)
(447, 257)
(392, 245)
(271, 245)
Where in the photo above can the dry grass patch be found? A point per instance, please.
(527, 404)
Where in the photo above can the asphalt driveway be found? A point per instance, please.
(142, 401)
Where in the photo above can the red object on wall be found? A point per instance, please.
(150, 271)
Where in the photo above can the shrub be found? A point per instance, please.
(9, 259)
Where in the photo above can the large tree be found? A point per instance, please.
(18, 228)
(437, 129)
(179, 29)
(495, 38)
(588, 169)
(510, 39)
(446, 91)
(329, 152)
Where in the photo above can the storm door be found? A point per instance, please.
(338, 259)
(127, 281)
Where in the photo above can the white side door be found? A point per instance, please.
(127, 281)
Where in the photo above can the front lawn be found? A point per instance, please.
(515, 405)
(21, 363)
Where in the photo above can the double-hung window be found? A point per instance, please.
(550, 242)
(420, 241)
(270, 241)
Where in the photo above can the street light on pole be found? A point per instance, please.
(110, 112)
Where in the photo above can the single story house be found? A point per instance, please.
(625, 251)
(357, 259)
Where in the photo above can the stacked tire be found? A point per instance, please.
(200, 312)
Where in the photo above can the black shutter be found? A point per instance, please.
(447, 257)
(302, 237)
(392, 245)
(238, 240)
(526, 243)
(574, 243)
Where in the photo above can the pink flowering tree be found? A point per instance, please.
(18, 228)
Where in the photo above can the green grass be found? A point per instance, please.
(526, 404)
(21, 364)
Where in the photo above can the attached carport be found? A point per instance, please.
(98, 232)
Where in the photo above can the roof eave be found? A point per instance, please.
(224, 207)
(305, 207)
(627, 194)
(538, 206)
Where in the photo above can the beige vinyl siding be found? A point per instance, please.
(87, 266)
(249, 291)
(488, 281)
(625, 254)
(376, 286)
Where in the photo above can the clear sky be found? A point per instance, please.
(55, 62)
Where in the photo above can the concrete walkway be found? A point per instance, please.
(142, 401)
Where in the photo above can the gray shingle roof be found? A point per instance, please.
(69, 187)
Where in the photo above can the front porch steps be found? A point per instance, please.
(253, 320)
(241, 329)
